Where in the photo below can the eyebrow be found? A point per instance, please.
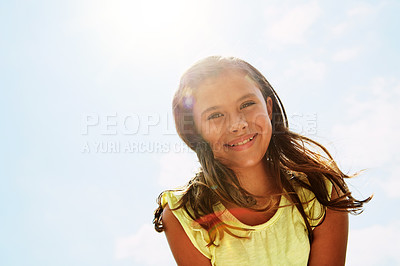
(249, 95)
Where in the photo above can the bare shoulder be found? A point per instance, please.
(330, 238)
(185, 253)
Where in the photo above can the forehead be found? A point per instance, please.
(225, 88)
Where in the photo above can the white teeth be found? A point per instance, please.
(241, 143)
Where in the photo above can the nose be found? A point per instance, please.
(238, 124)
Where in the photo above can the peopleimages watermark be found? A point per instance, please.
(135, 127)
(127, 124)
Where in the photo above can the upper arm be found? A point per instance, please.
(330, 238)
(185, 253)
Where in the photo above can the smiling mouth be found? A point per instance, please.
(242, 143)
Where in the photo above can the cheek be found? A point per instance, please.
(212, 131)
(262, 121)
(217, 147)
(213, 134)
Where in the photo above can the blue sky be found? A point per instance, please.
(87, 130)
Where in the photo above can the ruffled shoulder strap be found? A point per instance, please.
(197, 234)
(314, 210)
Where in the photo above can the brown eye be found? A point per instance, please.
(216, 115)
(247, 104)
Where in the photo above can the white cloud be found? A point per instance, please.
(340, 28)
(369, 132)
(291, 26)
(133, 30)
(306, 70)
(177, 169)
(361, 9)
(375, 245)
(346, 54)
(355, 16)
(392, 183)
(146, 247)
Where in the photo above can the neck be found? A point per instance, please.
(258, 179)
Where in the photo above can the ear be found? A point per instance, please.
(269, 107)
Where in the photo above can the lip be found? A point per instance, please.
(243, 146)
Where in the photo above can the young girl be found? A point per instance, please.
(264, 195)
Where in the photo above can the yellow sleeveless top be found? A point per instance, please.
(282, 240)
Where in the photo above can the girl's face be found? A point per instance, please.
(231, 114)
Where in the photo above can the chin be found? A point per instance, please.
(241, 163)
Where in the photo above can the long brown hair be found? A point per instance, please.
(287, 150)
